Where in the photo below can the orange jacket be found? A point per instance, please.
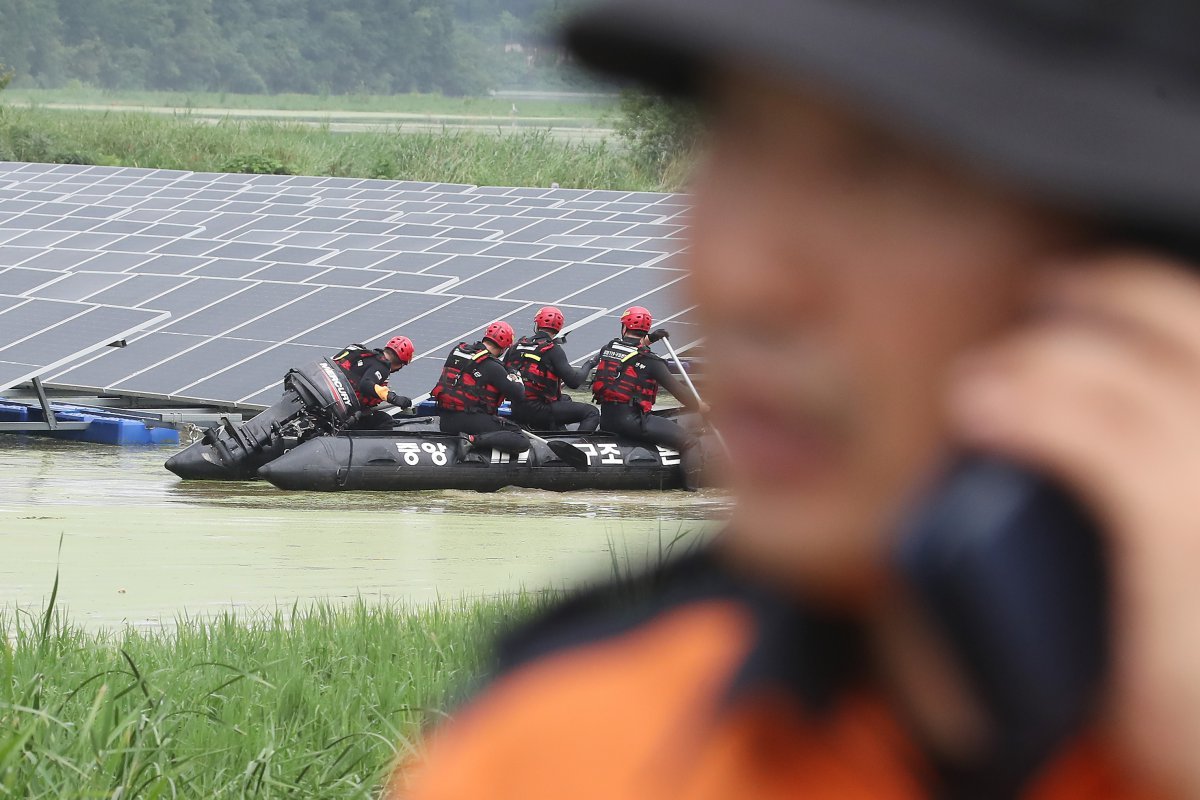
(681, 701)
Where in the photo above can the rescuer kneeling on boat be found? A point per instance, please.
(473, 384)
(369, 371)
(626, 385)
(543, 366)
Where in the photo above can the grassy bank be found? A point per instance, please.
(314, 703)
(130, 139)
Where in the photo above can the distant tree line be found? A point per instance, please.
(457, 47)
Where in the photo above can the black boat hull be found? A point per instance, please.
(414, 460)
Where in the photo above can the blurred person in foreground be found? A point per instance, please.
(934, 225)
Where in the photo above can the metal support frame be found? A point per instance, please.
(51, 421)
(47, 412)
(182, 418)
(33, 427)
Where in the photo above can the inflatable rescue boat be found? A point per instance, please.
(306, 442)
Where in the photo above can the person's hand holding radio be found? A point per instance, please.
(1102, 392)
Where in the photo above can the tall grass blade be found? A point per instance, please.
(48, 614)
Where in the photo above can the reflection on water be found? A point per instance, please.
(142, 546)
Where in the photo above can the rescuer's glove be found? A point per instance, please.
(399, 400)
(661, 333)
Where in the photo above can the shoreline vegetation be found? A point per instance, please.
(317, 701)
(473, 152)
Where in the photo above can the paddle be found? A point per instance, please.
(688, 380)
(569, 453)
(416, 401)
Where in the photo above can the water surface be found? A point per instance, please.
(140, 546)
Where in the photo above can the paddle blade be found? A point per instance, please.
(570, 454)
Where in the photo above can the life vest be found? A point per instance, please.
(623, 376)
(462, 386)
(353, 361)
(530, 357)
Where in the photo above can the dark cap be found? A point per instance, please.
(1094, 104)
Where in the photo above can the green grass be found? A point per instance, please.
(305, 703)
(533, 158)
(584, 108)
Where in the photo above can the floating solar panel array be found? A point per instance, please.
(37, 335)
(261, 272)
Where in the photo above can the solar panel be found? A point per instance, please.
(19, 280)
(39, 335)
(110, 262)
(182, 369)
(256, 270)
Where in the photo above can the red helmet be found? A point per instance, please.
(501, 333)
(549, 317)
(402, 346)
(637, 318)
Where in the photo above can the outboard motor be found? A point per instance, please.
(325, 392)
(317, 399)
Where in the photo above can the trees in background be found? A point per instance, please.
(457, 47)
(661, 132)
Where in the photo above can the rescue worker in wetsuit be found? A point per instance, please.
(543, 366)
(474, 382)
(368, 371)
(628, 377)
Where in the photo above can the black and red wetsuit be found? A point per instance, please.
(368, 370)
(469, 392)
(543, 366)
(628, 377)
